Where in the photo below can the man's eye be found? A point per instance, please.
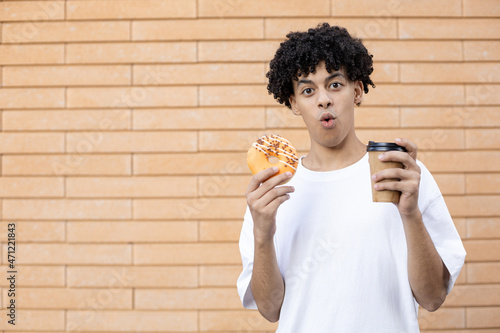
(335, 85)
(307, 91)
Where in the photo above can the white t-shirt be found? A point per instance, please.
(344, 258)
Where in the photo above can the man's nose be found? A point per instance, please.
(324, 99)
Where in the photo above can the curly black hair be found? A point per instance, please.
(302, 51)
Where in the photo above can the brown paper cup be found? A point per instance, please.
(375, 166)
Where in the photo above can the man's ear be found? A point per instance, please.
(294, 106)
(358, 92)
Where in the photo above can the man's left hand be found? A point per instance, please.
(409, 177)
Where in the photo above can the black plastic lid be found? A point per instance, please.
(383, 146)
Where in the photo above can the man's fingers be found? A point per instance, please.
(408, 162)
(410, 146)
(259, 178)
(271, 183)
(273, 205)
(275, 193)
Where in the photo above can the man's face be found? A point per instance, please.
(326, 102)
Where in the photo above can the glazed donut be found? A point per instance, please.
(272, 145)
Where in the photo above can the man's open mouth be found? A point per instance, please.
(327, 120)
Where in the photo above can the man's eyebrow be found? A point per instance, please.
(332, 76)
(303, 81)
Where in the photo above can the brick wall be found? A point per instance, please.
(124, 128)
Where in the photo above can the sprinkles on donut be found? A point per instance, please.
(272, 145)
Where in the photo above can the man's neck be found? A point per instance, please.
(322, 158)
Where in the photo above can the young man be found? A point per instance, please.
(317, 253)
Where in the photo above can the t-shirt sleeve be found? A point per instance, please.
(440, 226)
(247, 251)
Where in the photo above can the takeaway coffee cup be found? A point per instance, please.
(374, 149)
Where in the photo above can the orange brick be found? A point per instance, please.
(461, 225)
(482, 250)
(33, 320)
(130, 52)
(64, 298)
(190, 164)
(462, 276)
(449, 72)
(474, 205)
(129, 276)
(483, 228)
(199, 74)
(425, 139)
(482, 8)
(114, 232)
(228, 140)
(222, 185)
(220, 231)
(383, 9)
(219, 276)
(132, 97)
(198, 29)
(240, 95)
(46, 231)
(18, 98)
(242, 140)
(131, 142)
(69, 164)
(474, 296)
(31, 54)
(20, 187)
(31, 142)
(372, 28)
(235, 321)
(126, 321)
(448, 28)
(450, 117)
(239, 8)
(38, 276)
(232, 51)
(186, 299)
(491, 330)
(401, 50)
(73, 254)
(482, 138)
(186, 254)
(187, 209)
(481, 50)
(450, 183)
(66, 76)
(442, 318)
(389, 94)
(66, 209)
(483, 183)
(66, 32)
(123, 187)
(461, 161)
(200, 118)
(480, 272)
(56, 120)
(483, 317)
(385, 73)
(33, 11)
(130, 9)
(482, 94)
(282, 117)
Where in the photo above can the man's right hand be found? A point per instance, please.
(264, 198)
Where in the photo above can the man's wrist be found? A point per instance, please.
(414, 215)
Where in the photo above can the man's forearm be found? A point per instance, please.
(267, 284)
(427, 274)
